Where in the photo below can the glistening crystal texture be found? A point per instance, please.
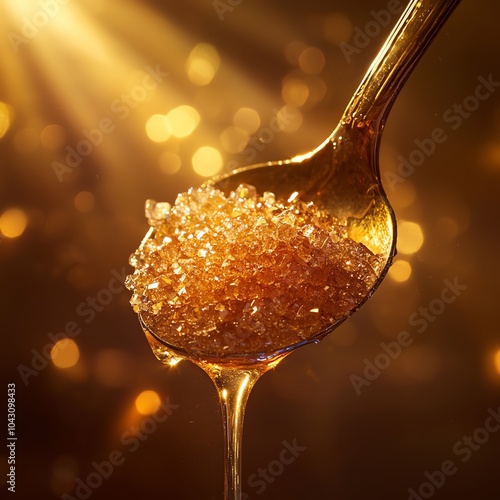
(245, 274)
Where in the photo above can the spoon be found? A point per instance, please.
(341, 176)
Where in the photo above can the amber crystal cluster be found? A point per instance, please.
(245, 274)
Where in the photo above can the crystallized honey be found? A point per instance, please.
(245, 274)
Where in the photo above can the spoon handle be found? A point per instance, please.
(418, 25)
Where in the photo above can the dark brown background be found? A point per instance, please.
(375, 445)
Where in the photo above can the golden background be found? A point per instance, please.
(157, 96)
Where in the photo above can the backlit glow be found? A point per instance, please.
(147, 402)
(202, 64)
(247, 119)
(183, 120)
(312, 61)
(410, 237)
(295, 91)
(158, 128)
(207, 161)
(400, 271)
(65, 353)
(13, 222)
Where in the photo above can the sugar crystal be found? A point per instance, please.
(246, 274)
